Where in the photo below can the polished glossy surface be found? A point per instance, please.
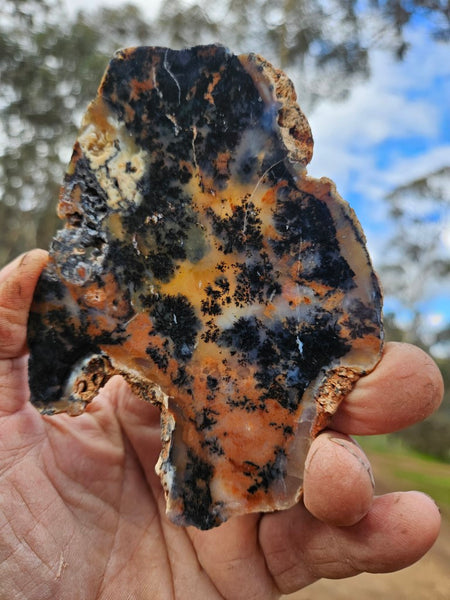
(199, 261)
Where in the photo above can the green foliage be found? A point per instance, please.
(327, 43)
(436, 486)
(432, 436)
(324, 42)
(51, 63)
(409, 469)
(49, 68)
(415, 253)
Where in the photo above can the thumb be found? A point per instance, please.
(17, 283)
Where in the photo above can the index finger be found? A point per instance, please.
(405, 387)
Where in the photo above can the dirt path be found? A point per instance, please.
(428, 579)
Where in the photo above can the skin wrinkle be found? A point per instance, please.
(229, 565)
(268, 557)
(193, 563)
(12, 293)
(10, 323)
(99, 418)
(157, 493)
(7, 525)
(26, 417)
(42, 562)
(150, 489)
(16, 388)
(102, 580)
(23, 260)
(432, 391)
(359, 457)
(362, 547)
(19, 584)
(122, 522)
(17, 579)
(366, 408)
(350, 470)
(19, 276)
(170, 562)
(4, 473)
(74, 505)
(39, 517)
(206, 551)
(109, 580)
(275, 591)
(116, 531)
(41, 512)
(396, 532)
(86, 435)
(8, 335)
(168, 558)
(279, 558)
(83, 489)
(111, 454)
(23, 537)
(23, 540)
(402, 524)
(317, 563)
(8, 368)
(171, 550)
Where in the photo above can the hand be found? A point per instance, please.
(82, 511)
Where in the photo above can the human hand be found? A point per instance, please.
(82, 512)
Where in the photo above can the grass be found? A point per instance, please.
(395, 446)
(409, 469)
(436, 486)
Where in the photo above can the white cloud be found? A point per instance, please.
(395, 103)
(406, 169)
(387, 133)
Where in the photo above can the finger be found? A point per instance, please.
(231, 556)
(338, 482)
(403, 389)
(299, 549)
(17, 283)
(139, 421)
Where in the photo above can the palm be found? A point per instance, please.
(82, 510)
(86, 489)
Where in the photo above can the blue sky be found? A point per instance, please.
(392, 129)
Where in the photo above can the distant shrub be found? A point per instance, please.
(430, 437)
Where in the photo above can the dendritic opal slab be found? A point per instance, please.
(199, 261)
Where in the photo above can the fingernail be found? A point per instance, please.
(350, 447)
